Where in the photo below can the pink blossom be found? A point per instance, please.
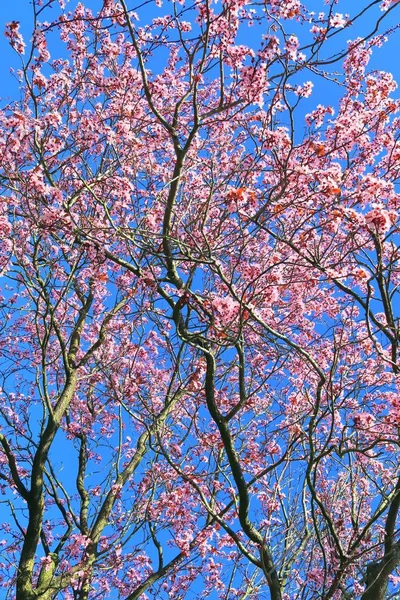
(305, 90)
(15, 37)
(379, 218)
(338, 20)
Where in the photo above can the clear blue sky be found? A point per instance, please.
(386, 58)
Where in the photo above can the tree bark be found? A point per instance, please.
(378, 572)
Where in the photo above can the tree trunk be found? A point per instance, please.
(378, 572)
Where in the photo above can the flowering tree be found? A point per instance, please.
(199, 340)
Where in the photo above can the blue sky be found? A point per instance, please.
(385, 58)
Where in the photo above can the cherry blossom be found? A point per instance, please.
(199, 330)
